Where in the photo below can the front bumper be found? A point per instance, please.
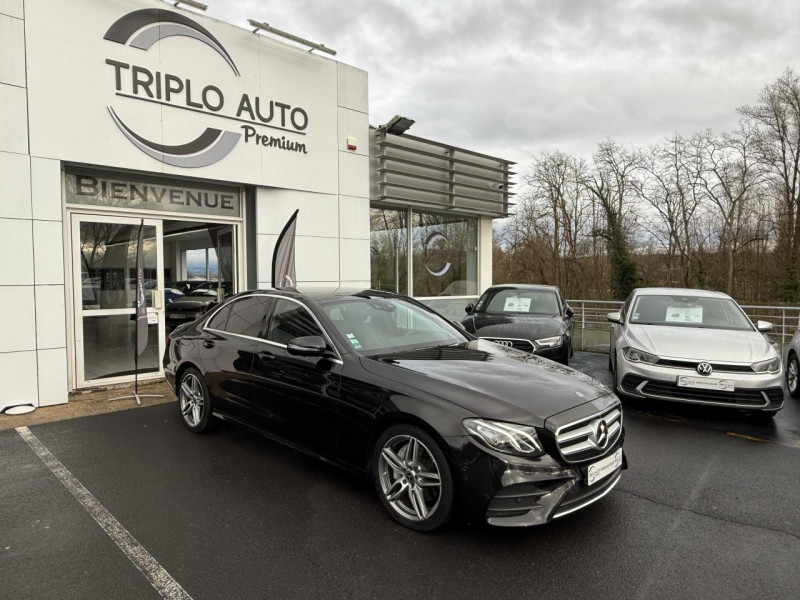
(508, 491)
(754, 391)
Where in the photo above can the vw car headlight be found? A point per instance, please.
(519, 440)
(773, 365)
(549, 342)
(640, 356)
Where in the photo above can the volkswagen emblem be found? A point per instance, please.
(599, 434)
(705, 369)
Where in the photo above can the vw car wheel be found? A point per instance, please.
(792, 374)
(412, 478)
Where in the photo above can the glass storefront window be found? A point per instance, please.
(389, 250)
(108, 264)
(445, 255)
(108, 343)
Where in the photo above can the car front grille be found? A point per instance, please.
(670, 391)
(692, 364)
(516, 343)
(577, 441)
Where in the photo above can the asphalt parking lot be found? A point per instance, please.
(709, 508)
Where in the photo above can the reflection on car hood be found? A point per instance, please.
(694, 343)
(491, 381)
(526, 327)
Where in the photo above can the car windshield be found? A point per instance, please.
(377, 326)
(689, 311)
(531, 302)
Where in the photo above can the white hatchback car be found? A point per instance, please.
(694, 346)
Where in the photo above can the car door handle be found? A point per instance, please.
(208, 344)
(264, 355)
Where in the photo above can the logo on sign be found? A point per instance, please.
(705, 368)
(141, 29)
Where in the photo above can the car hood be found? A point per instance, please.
(517, 326)
(189, 302)
(491, 381)
(694, 343)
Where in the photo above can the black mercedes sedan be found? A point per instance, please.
(379, 384)
(531, 318)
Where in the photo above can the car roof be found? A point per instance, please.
(666, 291)
(325, 296)
(523, 286)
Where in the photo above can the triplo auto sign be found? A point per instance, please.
(250, 114)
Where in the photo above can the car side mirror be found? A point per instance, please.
(568, 311)
(763, 326)
(308, 345)
(614, 317)
(469, 308)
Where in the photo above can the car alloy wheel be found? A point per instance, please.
(792, 374)
(413, 478)
(194, 401)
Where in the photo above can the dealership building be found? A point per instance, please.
(124, 112)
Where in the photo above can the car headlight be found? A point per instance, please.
(634, 355)
(519, 440)
(773, 365)
(549, 342)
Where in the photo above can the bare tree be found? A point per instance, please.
(777, 117)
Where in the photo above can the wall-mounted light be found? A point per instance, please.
(258, 26)
(398, 125)
(192, 3)
(351, 143)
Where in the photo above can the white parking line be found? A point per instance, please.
(162, 581)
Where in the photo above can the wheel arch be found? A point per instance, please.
(403, 418)
(181, 370)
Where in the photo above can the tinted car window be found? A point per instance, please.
(535, 302)
(219, 320)
(246, 316)
(290, 320)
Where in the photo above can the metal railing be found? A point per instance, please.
(592, 326)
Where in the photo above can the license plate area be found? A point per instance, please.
(603, 468)
(706, 383)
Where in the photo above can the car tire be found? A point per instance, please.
(194, 401)
(793, 376)
(413, 478)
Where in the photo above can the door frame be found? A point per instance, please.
(108, 214)
(78, 314)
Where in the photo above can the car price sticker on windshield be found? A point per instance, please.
(517, 304)
(704, 383)
(604, 468)
(684, 314)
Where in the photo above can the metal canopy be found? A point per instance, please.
(409, 171)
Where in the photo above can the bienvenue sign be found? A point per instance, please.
(149, 193)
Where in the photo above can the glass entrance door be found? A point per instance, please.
(104, 268)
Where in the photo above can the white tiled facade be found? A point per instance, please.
(331, 228)
(33, 359)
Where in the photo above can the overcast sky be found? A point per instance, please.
(517, 77)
